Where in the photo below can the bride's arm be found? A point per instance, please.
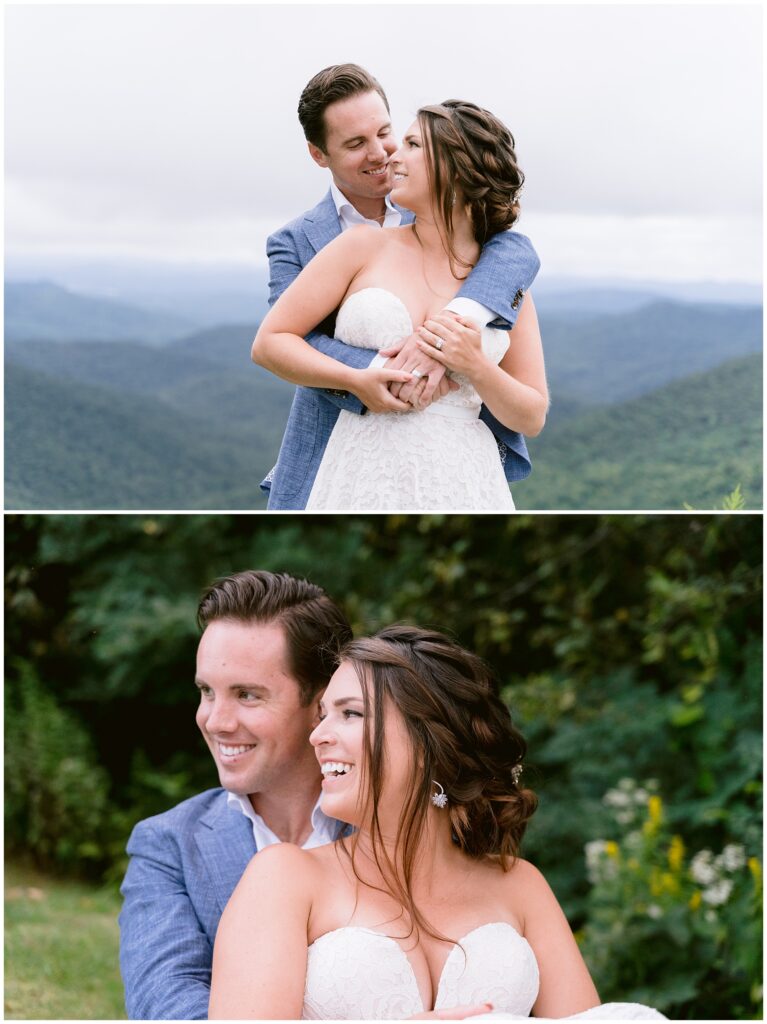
(318, 290)
(565, 983)
(259, 959)
(515, 390)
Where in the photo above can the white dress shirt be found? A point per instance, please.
(324, 829)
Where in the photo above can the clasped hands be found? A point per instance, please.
(445, 342)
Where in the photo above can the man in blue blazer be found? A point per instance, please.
(266, 651)
(345, 117)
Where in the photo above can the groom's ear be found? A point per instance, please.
(317, 155)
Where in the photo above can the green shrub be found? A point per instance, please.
(55, 791)
(681, 932)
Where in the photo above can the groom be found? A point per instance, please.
(266, 652)
(345, 117)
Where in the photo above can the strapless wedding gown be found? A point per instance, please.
(442, 458)
(359, 974)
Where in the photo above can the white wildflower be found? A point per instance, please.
(732, 857)
(654, 911)
(624, 817)
(616, 798)
(710, 916)
(702, 868)
(640, 797)
(627, 785)
(719, 893)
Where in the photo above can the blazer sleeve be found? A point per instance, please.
(165, 954)
(284, 267)
(506, 268)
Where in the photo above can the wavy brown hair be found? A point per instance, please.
(461, 735)
(468, 148)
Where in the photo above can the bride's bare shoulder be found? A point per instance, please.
(277, 864)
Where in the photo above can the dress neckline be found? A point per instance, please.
(375, 288)
(456, 948)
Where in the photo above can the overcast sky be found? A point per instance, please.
(170, 131)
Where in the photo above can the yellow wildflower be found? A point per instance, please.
(676, 854)
(655, 807)
(695, 900)
(756, 870)
(655, 816)
(611, 848)
(668, 882)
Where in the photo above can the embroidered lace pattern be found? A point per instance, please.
(440, 458)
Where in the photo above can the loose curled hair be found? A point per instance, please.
(469, 149)
(461, 735)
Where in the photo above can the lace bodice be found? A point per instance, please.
(357, 973)
(376, 318)
(442, 458)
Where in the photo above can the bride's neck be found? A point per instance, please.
(435, 855)
(433, 236)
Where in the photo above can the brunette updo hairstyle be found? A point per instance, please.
(462, 736)
(469, 148)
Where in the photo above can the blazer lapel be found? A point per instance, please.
(225, 841)
(321, 225)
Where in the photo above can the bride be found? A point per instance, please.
(426, 910)
(457, 171)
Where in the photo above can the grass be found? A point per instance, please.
(61, 948)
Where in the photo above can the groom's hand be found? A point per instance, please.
(429, 382)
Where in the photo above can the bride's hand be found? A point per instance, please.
(371, 386)
(457, 1013)
(453, 341)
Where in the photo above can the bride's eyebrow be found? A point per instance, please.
(341, 701)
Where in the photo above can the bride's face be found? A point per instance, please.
(339, 743)
(411, 183)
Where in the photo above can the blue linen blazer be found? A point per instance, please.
(184, 866)
(506, 269)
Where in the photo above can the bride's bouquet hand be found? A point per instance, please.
(453, 341)
(371, 386)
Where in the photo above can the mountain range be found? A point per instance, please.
(110, 405)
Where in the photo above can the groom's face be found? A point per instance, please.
(250, 711)
(359, 143)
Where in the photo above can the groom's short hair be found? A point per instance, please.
(338, 82)
(315, 628)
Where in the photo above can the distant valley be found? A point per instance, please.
(655, 404)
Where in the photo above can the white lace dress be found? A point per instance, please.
(442, 458)
(359, 974)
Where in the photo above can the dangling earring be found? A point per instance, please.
(439, 799)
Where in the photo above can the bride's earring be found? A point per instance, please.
(439, 799)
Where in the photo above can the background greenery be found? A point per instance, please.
(628, 647)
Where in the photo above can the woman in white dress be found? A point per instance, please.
(457, 171)
(426, 911)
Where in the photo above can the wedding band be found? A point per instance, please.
(438, 344)
(416, 373)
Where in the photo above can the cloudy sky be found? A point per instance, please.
(169, 132)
